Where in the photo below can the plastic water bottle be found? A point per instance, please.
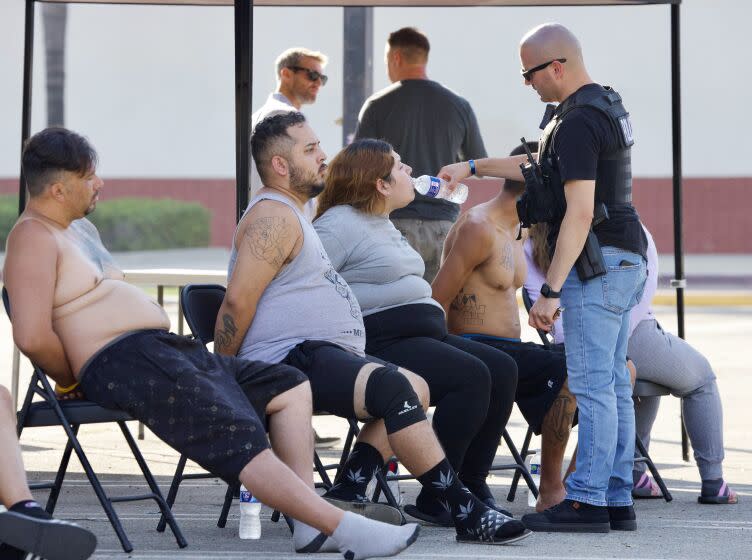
(437, 188)
(392, 467)
(535, 472)
(250, 515)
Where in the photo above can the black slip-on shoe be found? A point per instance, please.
(622, 518)
(372, 510)
(494, 528)
(569, 516)
(441, 518)
(52, 539)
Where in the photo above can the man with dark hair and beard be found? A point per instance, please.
(287, 303)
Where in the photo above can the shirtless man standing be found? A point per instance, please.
(75, 317)
(481, 268)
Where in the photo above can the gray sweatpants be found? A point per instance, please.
(668, 360)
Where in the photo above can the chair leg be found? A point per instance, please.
(521, 468)
(352, 433)
(61, 471)
(653, 469)
(99, 491)
(173, 492)
(383, 486)
(523, 454)
(156, 493)
(684, 434)
(232, 491)
(319, 467)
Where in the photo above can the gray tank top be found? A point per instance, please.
(307, 300)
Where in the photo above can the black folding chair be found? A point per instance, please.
(71, 415)
(644, 388)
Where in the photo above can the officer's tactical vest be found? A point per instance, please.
(613, 182)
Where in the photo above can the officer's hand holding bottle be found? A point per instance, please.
(454, 173)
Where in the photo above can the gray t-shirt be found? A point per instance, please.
(429, 126)
(374, 259)
(306, 300)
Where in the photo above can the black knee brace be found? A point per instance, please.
(390, 396)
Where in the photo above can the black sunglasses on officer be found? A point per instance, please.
(528, 74)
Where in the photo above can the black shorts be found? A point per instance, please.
(208, 406)
(332, 371)
(541, 373)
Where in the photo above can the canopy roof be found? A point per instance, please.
(394, 3)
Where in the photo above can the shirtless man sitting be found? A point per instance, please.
(75, 317)
(481, 268)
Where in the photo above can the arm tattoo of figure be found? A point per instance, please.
(224, 337)
(467, 305)
(265, 238)
(507, 256)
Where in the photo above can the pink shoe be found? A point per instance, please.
(645, 488)
(725, 496)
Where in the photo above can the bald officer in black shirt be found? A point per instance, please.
(585, 153)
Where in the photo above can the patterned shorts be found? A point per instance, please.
(208, 406)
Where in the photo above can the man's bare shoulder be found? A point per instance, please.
(29, 233)
(29, 243)
(476, 225)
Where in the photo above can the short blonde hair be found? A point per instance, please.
(291, 57)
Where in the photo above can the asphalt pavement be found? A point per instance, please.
(681, 529)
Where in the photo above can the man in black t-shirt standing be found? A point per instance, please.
(585, 152)
(429, 126)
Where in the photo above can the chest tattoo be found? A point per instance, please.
(507, 257)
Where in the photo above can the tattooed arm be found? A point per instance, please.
(470, 248)
(268, 237)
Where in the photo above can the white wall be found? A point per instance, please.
(152, 87)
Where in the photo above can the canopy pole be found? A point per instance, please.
(357, 77)
(679, 282)
(243, 93)
(28, 66)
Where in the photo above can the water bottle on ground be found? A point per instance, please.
(437, 188)
(535, 472)
(392, 467)
(250, 515)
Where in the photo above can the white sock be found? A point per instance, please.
(360, 538)
(309, 539)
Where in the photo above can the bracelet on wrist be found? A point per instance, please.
(471, 163)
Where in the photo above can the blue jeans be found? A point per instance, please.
(596, 330)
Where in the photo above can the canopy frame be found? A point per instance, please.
(244, 87)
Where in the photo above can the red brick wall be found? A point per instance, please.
(715, 209)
